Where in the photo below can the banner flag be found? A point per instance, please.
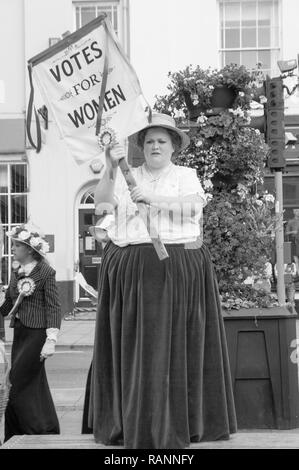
(80, 279)
(90, 88)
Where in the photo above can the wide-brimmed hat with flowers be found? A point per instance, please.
(167, 122)
(30, 236)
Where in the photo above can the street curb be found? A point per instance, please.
(68, 407)
(60, 347)
(78, 319)
(75, 347)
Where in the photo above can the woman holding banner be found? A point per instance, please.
(160, 374)
(32, 301)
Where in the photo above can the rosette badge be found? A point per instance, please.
(26, 286)
(106, 137)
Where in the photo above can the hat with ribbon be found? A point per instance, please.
(31, 236)
(167, 122)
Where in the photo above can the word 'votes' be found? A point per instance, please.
(68, 66)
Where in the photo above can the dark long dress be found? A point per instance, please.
(30, 409)
(160, 371)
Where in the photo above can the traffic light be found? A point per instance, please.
(272, 123)
(275, 132)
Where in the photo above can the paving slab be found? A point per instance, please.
(241, 440)
(70, 421)
(72, 334)
(68, 398)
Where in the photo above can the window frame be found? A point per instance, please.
(89, 193)
(274, 49)
(9, 225)
(106, 3)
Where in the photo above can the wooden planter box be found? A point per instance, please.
(262, 352)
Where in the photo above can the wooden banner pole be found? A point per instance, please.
(144, 212)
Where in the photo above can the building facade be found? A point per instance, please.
(159, 36)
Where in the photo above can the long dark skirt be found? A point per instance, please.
(30, 408)
(160, 370)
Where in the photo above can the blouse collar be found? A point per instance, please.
(146, 172)
(27, 268)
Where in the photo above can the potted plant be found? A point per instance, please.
(239, 228)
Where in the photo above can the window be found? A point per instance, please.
(250, 34)
(88, 197)
(13, 207)
(88, 11)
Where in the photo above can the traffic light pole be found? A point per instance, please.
(279, 238)
(275, 138)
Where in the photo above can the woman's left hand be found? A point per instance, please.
(48, 349)
(141, 195)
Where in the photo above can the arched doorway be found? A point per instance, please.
(90, 251)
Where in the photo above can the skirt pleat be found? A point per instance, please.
(160, 373)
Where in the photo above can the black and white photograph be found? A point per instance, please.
(149, 227)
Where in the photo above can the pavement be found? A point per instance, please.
(76, 335)
(245, 439)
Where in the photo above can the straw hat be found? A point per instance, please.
(167, 122)
(30, 236)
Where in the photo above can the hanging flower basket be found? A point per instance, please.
(225, 181)
(193, 110)
(224, 97)
(194, 91)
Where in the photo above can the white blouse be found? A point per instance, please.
(127, 227)
(27, 268)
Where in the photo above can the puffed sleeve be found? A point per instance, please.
(52, 303)
(190, 184)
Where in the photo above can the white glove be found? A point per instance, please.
(50, 343)
(52, 333)
(48, 349)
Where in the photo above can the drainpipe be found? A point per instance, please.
(25, 69)
(126, 32)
